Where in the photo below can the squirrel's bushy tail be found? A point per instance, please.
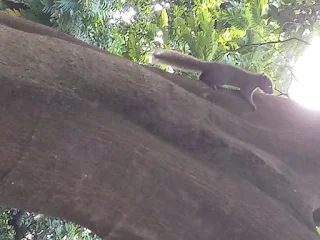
(178, 60)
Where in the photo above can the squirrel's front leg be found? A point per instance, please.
(247, 94)
(209, 79)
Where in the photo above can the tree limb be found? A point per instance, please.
(131, 154)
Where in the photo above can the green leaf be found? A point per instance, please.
(164, 18)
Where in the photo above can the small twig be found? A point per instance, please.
(271, 42)
(282, 93)
(280, 41)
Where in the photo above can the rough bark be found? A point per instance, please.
(135, 153)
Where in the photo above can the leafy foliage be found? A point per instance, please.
(6, 230)
(229, 32)
(82, 19)
(37, 226)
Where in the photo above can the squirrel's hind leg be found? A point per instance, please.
(210, 80)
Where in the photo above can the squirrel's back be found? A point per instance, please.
(178, 60)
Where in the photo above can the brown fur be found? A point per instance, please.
(217, 74)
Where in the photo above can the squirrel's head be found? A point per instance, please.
(266, 83)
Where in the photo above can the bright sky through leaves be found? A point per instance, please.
(306, 91)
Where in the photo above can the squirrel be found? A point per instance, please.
(216, 74)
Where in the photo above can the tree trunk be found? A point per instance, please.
(132, 152)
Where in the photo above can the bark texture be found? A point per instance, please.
(132, 152)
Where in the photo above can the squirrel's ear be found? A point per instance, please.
(262, 78)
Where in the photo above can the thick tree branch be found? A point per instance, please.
(14, 5)
(132, 154)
